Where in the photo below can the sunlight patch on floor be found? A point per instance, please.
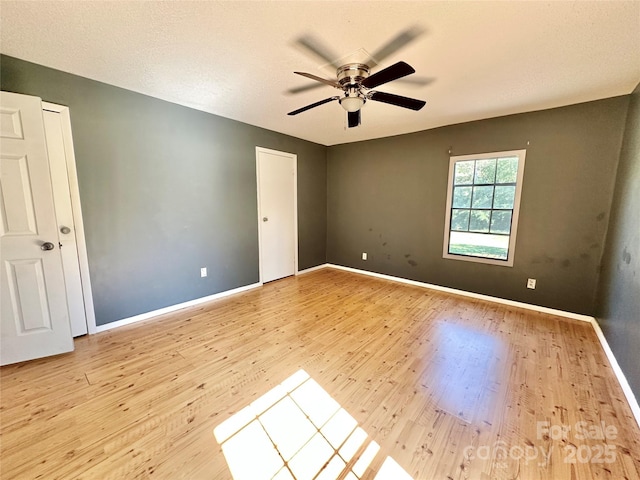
(298, 431)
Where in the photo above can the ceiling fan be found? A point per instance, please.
(356, 81)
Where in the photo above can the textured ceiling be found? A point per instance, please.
(236, 58)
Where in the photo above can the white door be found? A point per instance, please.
(277, 213)
(53, 128)
(34, 317)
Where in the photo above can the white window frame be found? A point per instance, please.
(521, 154)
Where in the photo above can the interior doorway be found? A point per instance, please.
(277, 213)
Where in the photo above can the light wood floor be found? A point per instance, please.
(448, 387)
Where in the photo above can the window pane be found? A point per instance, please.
(461, 197)
(479, 220)
(501, 221)
(482, 206)
(460, 220)
(504, 196)
(479, 245)
(507, 170)
(485, 171)
(464, 173)
(482, 197)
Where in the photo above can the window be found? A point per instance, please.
(483, 199)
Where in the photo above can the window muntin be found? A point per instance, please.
(482, 206)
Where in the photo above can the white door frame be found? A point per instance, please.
(74, 191)
(294, 160)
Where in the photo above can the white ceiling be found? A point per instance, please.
(236, 58)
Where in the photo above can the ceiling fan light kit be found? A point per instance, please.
(352, 104)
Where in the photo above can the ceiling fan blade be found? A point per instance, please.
(395, 71)
(397, 100)
(315, 46)
(313, 105)
(417, 81)
(326, 81)
(303, 88)
(397, 42)
(353, 119)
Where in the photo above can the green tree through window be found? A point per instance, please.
(482, 204)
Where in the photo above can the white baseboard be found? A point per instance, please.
(312, 269)
(624, 384)
(173, 308)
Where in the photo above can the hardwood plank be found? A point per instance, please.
(444, 384)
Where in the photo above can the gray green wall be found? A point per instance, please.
(166, 190)
(619, 293)
(387, 197)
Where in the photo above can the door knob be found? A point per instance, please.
(265, 219)
(47, 246)
(65, 230)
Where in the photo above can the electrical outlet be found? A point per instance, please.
(364, 255)
(531, 283)
(203, 272)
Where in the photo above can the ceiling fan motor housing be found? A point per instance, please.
(352, 74)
